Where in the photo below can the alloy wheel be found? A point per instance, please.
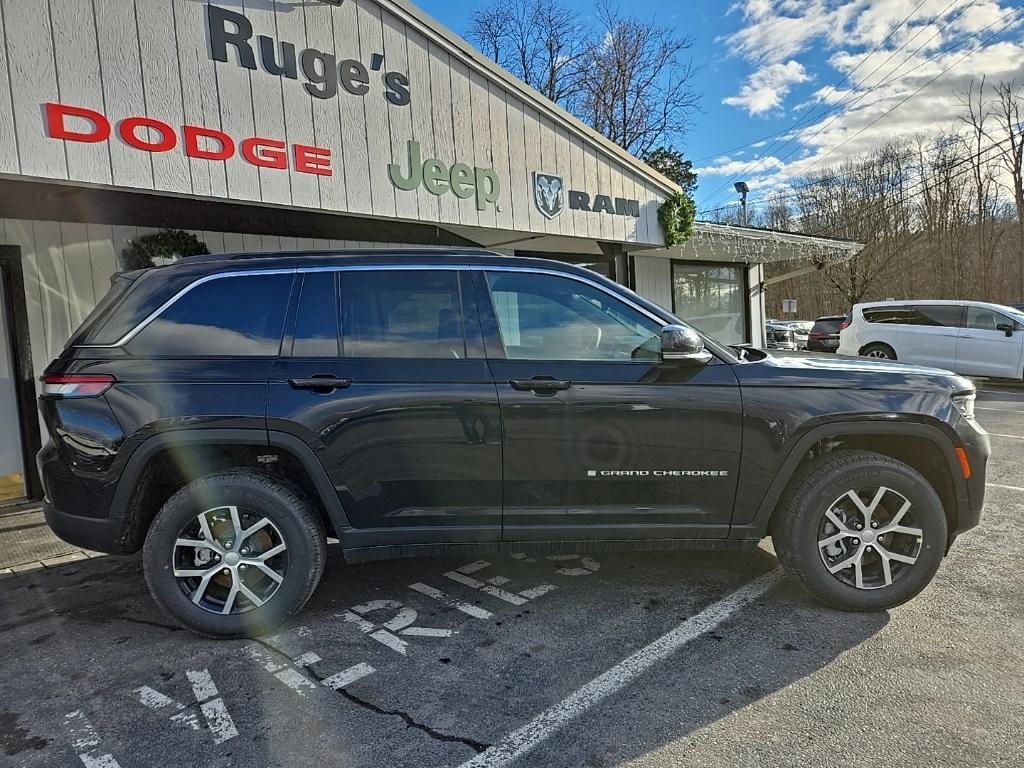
(869, 538)
(229, 560)
(877, 353)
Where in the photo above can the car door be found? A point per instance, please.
(930, 334)
(989, 344)
(400, 405)
(602, 440)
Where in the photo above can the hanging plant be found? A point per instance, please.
(676, 215)
(142, 252)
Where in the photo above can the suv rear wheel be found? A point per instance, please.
(879, 351)
(860, 531)
(234, 553)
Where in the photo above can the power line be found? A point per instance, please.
(845, 103)
(833, 88)
(891, 78)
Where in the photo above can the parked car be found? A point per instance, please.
(225, 414)
(780, 337)
(973, 338)
(801, 331)
(824, 334)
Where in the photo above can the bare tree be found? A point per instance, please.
(544, 44)
(1010, 105)
(637, 82)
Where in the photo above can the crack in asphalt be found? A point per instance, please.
(477, 746)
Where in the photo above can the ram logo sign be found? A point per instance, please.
(548, 194)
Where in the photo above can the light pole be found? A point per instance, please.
(742, 188)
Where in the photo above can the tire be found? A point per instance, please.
(879, 351)
(290, 520)
(801, 523)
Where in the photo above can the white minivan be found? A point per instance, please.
(973, 338)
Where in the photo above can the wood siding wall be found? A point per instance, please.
(152, 58)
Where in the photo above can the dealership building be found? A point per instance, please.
(299, 125)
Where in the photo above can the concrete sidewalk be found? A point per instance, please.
(27, 543)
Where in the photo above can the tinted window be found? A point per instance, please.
(544, 317)
(225, 316)
(396, 313)
(827, 327)
(944, 315)
(888, 314)
(981, 319)
(316, 322)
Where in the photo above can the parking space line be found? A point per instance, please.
(1012, 437)
(1005, 487)
(547, 723)
(348, 676)
(1003, 410)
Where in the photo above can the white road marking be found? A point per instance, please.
(401, 623)
(587, 566)
(547, 723)
(1013, 437)
(86, 741)
(218, 719)
(472, 610)
(152, 698)
(1003, 410)
(307, 659)
(348, 676)
(534, 592)
(202, 684)
(1005, 487)
(290, 676)
(489, 589)
(99, 761)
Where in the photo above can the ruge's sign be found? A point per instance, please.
(437, 178)
(322, 71)
(549, 196)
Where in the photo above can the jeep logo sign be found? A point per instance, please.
(437, 178)
(548, 196)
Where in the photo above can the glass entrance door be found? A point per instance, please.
(12, 476)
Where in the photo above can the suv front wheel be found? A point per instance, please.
(234, 553)
(861, 531)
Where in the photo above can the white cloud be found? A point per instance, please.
(768, 86)
(838, 123)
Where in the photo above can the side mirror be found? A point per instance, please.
(683, 345)
(1006, 328)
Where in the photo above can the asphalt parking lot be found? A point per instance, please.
(674, 659)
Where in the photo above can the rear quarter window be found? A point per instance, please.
(228, 316)
(898, 315)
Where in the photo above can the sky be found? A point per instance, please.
(790, 86)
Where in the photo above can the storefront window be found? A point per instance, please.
(712, 299)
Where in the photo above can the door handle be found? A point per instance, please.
(539, 384)
(321, 383)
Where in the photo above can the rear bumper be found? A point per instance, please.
(103, 534)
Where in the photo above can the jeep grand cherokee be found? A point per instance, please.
(225, 414)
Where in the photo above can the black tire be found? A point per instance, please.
(879, 351)
(800, 518)
(255, 495)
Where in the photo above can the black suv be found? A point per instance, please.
(226, 414)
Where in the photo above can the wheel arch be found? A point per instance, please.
(166, 461)
(925, 447)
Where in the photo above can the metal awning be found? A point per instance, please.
(724, 242)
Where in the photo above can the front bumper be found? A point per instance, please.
(977, 447)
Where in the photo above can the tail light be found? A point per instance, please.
(76, 384)
(815, 336)
(845, 324)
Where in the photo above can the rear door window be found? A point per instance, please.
(899, 315)
(316, 321)
(402, 313)
(239, 316)
(981, 319)
(937, 315)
